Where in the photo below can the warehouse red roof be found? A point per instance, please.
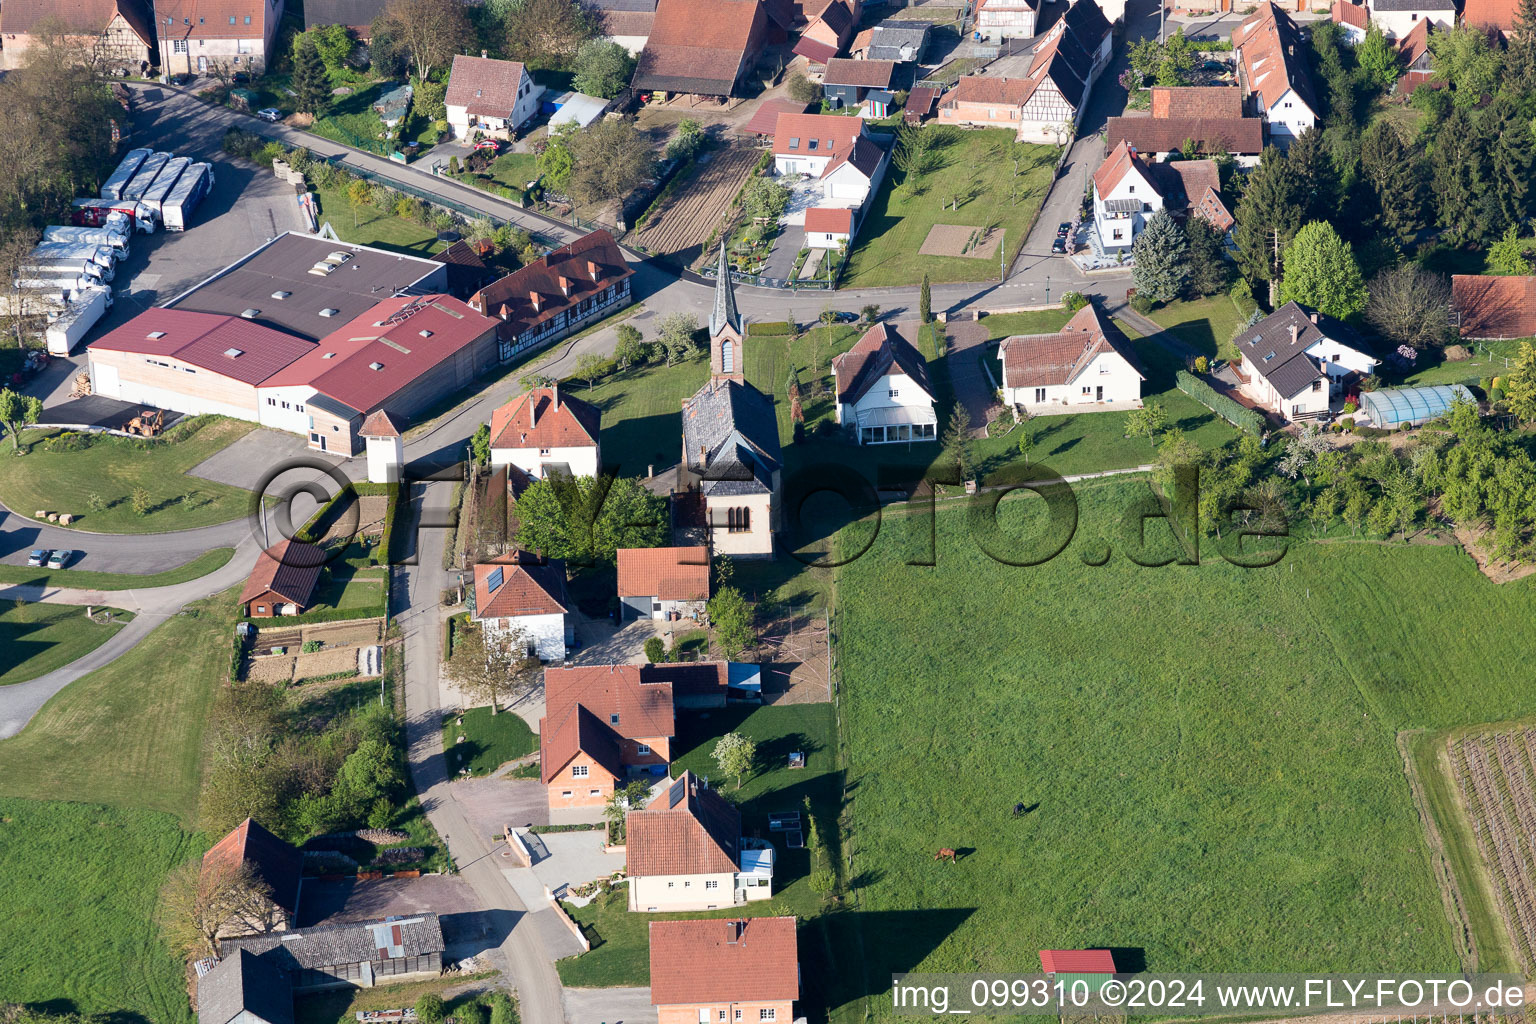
(365, 361)
(276, 864)
(227, 345)
(545, 418)
(671, 574)
(1077, 961)
(714, 961)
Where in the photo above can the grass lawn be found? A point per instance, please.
(79, 888)
(112, 467)
(369, 225)
(343, 586)
(643, 412)
(490, 741)
(37, 638)
(130, 734)
(342, 1006)
(1209, 751)
(972, 166)
(620, 947)
(1489, 359)
(1206, 324)
(202, 565)
(514, 170)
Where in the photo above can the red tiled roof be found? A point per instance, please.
(625, 23)
(590, 264)
(814, 50)
(837, 221)
(1353, 15)
(881, 351)
(700, 834)
(671, 574)
(766, 118)
(1210, 207)
(981, 89)
(207, 340)
(19, 17)
(275, 863)
(1040, 360)
(210, 19)
(867, 74)
(528, 587)
(1121, 161)
(1241, 135)
(1498, 14)
(715, 961)
(578, 733)
(483, 85)
(1495, 307)
(832, 133)
(1077, 961)
(1197, 101)
(644, 708)
(1272, 53)
(1416, 43)
(377, 354)
(290, 569)
(544, 418)
(378, 424)
(699, 45)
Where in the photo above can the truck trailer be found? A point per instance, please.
(67, 268)
(113, 187)
(101, 255)
(71, 327)
(45, 283)
(164, 182)
(149, 170)
(116, 238)
(195, 184)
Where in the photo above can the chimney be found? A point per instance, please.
(484, 54)
(702, 456)
(565, 286)
(538, 303)
(1314, 316)
(592, 270)
(1293, 333)
(554, 390)
(533, 409)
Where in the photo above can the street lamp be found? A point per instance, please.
(1047, 289)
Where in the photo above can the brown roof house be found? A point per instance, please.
(830, 32)
(1415, 58)
(883, 392)
(491, 97)
(557, 294)
(1272, 70)
(686, 852)
(1087, 363)
(702, 47)
(1495, 307)
(1295, 363)
(196, 35)
(243, 989)
(275, 866)
(525, 594)
(664, 583)
(601, 724)
(283, 580)
(733, 970)
(1210, 117)
(1128, 191)
(120, 33)
(847, 82)
(545, 431)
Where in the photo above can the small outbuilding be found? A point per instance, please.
(1397, 408)
(283, 580)
(1073, 967)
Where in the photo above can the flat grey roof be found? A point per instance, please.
(283, 264)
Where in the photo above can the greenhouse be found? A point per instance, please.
(1409, 407)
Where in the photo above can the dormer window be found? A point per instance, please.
(811, 144)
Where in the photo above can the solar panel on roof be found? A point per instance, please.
(494, 580)
(676, 793)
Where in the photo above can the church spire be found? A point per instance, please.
(724, 314)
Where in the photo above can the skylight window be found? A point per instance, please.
(280, 296)
(234, 353)
(156, 335)
(375, 366)
(250, 314)
(329, 311)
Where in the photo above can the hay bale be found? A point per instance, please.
(1457, 354)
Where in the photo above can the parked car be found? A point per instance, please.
(1059, 245)
(491, 145)
(60, 558)
(1063, 230)
(845, 317)
(37, 557)
(240, 78)
(270, 114)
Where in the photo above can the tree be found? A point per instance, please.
(1507, 255)
(764, 198)
(430, 1008)
(1321, 273)
(1461, 169)
(731, 617)
(491, 666)
(196, 904)
(431, 31)
(1377, 60)
(957, 438)
(623, 800)
(1270, 211)
(1162, 269)
(1177, 63)
(548, 34)
(1410, 306)
(334, 43)
(603, 68)
(502, 1010)
(586, 519)
(1318, 184)
(925, 302)
(1520, 55)
(1024, 441)
(1463, 418)
(913, 154)
(310, 88)
(610, 160)
(1513, 164)
(557, 160)
(1148, 421)
(592, 365)
(1210, 271)
(1463, 57)
(629, 346)
(480, 444)
(735, 754)
(1395, 178)
(676, 332)
(655, 650)
(802, 89)
(1520, 384)
(17, 411)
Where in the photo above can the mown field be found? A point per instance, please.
(37, 638)
(1208, 751)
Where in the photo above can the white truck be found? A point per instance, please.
(113, 187)
(49, 300)
(194, 185)
(101, 255)
(95, 213)
(115, 238)
(71, 326)
(164, 182)
(45, 282)
(64, 269)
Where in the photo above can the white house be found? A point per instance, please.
(1398, 17)
(526, 594)
(195, 38)
(1006, 19)
(1125, 196)
(1087, 363)
(828, 227)
(1353, 21)
(834, 148)
(664, 583)
(883, 393)
(543, 430)
(493, 97)
(686, 852)
(1294, 362)
(1272, 69)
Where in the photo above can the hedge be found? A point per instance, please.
(379, 611)
(1240, 416)
(771, 327)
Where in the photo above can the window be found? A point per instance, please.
(594, 792)
(1087, 391)
(579, 771)
(738, 1015)
(1317, 385)
(711, 884)
(231, 19)
(1118, 234)
(271, 401)
(613, 719)
(641, 748)
(247, 19)
(544, 452)
(687, 885)
(1039, 394)
(178, 46)
(1335, 358)
(766, 1013)
(1286, 105)
(738, 520)
(727, 357)
(892, 393)
(671, 885)
(1131, 189)
(794, 143)
(566, 794)
(1103, 367)
(810, 144)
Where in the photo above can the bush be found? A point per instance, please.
(430, 1008)
(502, 1010)
(1348, 423)
(1141, 304)
(1202, 364)
(1351, 407)
(1073, 301)
(772, 328)
(655, 650)
(1240, 416)
(1496, 395)
(471, 1013)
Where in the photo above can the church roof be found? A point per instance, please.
(724, 312)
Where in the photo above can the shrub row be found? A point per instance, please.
(773, 328)
(1235, 413)
(588, 827)
(378, 611)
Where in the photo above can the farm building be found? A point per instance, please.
(705, 969)
(1494, 307)
(686, 852)
(900, 41)
(120, 33)
(244, 989)
(360, 953)
(626, 22)
(702, 48)
(283, 580)
(663, 583)
(272, 862)
(543, 431)
(830, 32)
(527, 594)
(1395, 408)
(846, 82)
(1070, 968)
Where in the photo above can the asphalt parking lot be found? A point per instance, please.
(247, 207)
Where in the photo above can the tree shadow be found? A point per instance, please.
(849, 956)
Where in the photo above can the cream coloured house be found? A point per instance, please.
(1087, 363)
(542, 431)
(1294, 362)
(526, 594)
(686, 852)
(883, 392)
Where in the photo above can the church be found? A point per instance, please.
(731, 455)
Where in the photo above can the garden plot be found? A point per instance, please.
(691, 209)
(961, 240)
(1496, 775)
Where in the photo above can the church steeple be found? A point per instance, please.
(725, 328)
